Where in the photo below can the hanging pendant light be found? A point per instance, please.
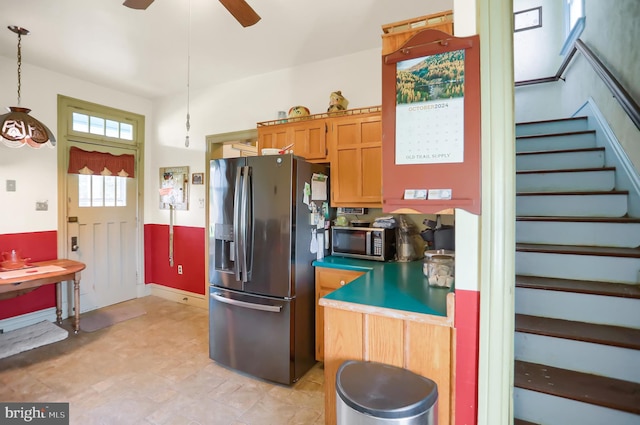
(188, 123)
(18, 128)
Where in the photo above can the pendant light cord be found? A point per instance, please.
(188, 124)
(19, 65)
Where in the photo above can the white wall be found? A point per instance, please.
(35, 171)
(239, 105)
(536, 54)
(611, 32)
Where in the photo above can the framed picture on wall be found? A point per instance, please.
(527, 19)
(197, 178)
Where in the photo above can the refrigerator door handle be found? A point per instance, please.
(236, 224)
(244, 224)
(269, 308)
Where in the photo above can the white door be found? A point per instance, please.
(101, 214)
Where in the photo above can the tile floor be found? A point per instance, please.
(155, 369)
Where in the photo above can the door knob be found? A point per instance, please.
(74, 243)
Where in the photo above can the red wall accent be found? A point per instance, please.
(188, 250)
(38, 246)
(467, 319)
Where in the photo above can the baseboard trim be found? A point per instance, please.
(178, 295)
(28, 319)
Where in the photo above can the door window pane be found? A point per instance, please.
(96, 125)
(109, 191)
(121, 191)
(97, 193)
(80, 122)
(102, 191)
(112, 128)
(126, 131)
(84, 190)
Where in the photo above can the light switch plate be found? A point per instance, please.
(11, 185)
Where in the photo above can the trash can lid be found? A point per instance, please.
(384, 391)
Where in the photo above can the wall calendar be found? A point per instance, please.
(430, 109)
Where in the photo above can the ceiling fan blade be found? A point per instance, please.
(137, 4)
(241, 11)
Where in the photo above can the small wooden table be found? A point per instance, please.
(16, 286)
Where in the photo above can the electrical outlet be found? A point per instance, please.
(11, 185)
(179, 268)
(42, 206)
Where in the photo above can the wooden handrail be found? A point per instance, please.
(629, 105)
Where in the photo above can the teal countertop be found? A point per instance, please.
(398, 286)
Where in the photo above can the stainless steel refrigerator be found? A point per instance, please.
(261, 298)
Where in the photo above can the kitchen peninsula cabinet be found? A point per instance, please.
(328, 280)
(356, 160)
(416, 343)
(308, 136)
(389, 315)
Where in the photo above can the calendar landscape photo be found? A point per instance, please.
(429, 78)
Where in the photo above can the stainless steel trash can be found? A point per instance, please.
(370, 393)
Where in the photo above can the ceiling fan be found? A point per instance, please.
(240, 9)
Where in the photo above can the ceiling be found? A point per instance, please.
(146, 52)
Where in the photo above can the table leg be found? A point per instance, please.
(76, 302)
(59, 302)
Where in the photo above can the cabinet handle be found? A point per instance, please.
(342, 282)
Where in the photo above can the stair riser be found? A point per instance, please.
(586, 308)
(572, 205)
(550, 410)
(560, 160)
(583, 181)
(564, 126)
(622, 235)
(597, 359)
(556, 142)
(579, 267)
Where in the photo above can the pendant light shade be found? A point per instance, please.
(18, 128)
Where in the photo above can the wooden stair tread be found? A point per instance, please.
(602, 251)
(577, 150)
(593, 389)
(566, 170)
(581, 219)
(593, 192)
(517, 421)
(616, 336)
(579, 286)
(562, 133)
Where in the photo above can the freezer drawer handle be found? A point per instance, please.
(269, 308)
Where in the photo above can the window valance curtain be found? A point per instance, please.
(100, 163)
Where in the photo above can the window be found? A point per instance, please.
(102, 191)
(574, 16)
(101, 126)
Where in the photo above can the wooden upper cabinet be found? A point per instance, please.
(308, 136)
(274, 136)
(310, 139)
(356, 160)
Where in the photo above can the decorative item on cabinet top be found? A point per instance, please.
(355, 111)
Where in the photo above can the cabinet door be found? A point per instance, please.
(356, 161)
(310, 139)
(272, 136)
(327, 281)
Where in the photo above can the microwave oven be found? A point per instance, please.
(367, 243)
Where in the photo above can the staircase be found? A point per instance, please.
(577, 299)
